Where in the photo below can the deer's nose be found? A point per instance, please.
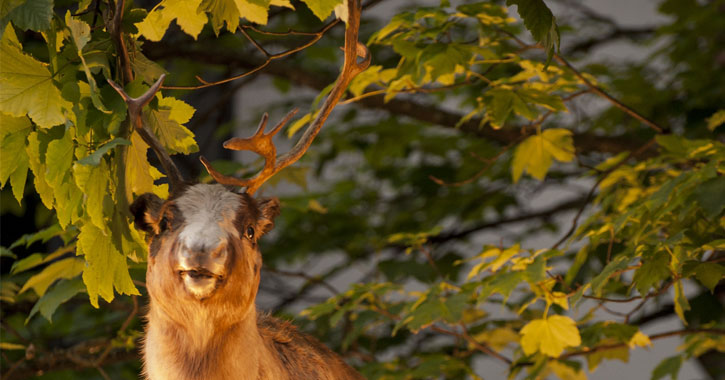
(212, 261)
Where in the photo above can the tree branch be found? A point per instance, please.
(428, 113)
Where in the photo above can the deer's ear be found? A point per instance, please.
(145, 210)
(268, 210)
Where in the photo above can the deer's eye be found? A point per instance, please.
(250, 232)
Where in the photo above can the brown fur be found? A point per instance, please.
(221, 336)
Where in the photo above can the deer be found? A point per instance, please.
(204, 261)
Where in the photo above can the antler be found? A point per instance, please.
(261, 143)
(135, 107)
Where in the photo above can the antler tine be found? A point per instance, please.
(262, 144)
(135, 107)
(260, 128)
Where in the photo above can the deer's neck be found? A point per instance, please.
(199, 348)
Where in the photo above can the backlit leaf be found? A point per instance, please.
(41, 186)
(221, 12)
(93, 181)
(105, 268)
(186, 13)
(253, 10)
(13, 153)
(66, 268)
(166, 123)
(26, 86)
(322, 8)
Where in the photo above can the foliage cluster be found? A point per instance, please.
(418, 186)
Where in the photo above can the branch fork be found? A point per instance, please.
(357, 59)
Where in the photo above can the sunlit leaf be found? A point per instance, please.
(26, 86)
(66, 268)
(550, 335)
(106, 268)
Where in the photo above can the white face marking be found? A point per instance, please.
(209, 212)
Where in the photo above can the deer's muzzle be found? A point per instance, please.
(202, 272)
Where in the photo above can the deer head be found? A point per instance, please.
(203, 240)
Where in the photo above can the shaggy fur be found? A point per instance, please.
(218, 334)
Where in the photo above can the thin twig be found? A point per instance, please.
(594, 88)
(594, 189)
(605, 347)
(269, 58)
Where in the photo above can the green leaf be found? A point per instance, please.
(536, 152)
(6, 6)
(13, 154)
(93, 181)
(618, 263)
(166, 123)
(149, 70)
(540, 22)
(49, 302)
(106, 268)
(94, 159)
(652, 271)
(709, 274)
(717, 119)
(4, 252)
(33, 14)
(26, 86)
(66, 268)
(709, 195)
(322, 8)
(187, 14)
(670, 366)
(502, 283)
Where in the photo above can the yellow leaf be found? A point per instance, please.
(11, 346)
(550, 335)
(639, 339)
(186, 13)
(564, 372)
(252, 11)
(558, 298)
(282, 3)
(535, 154)
(26, 85)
